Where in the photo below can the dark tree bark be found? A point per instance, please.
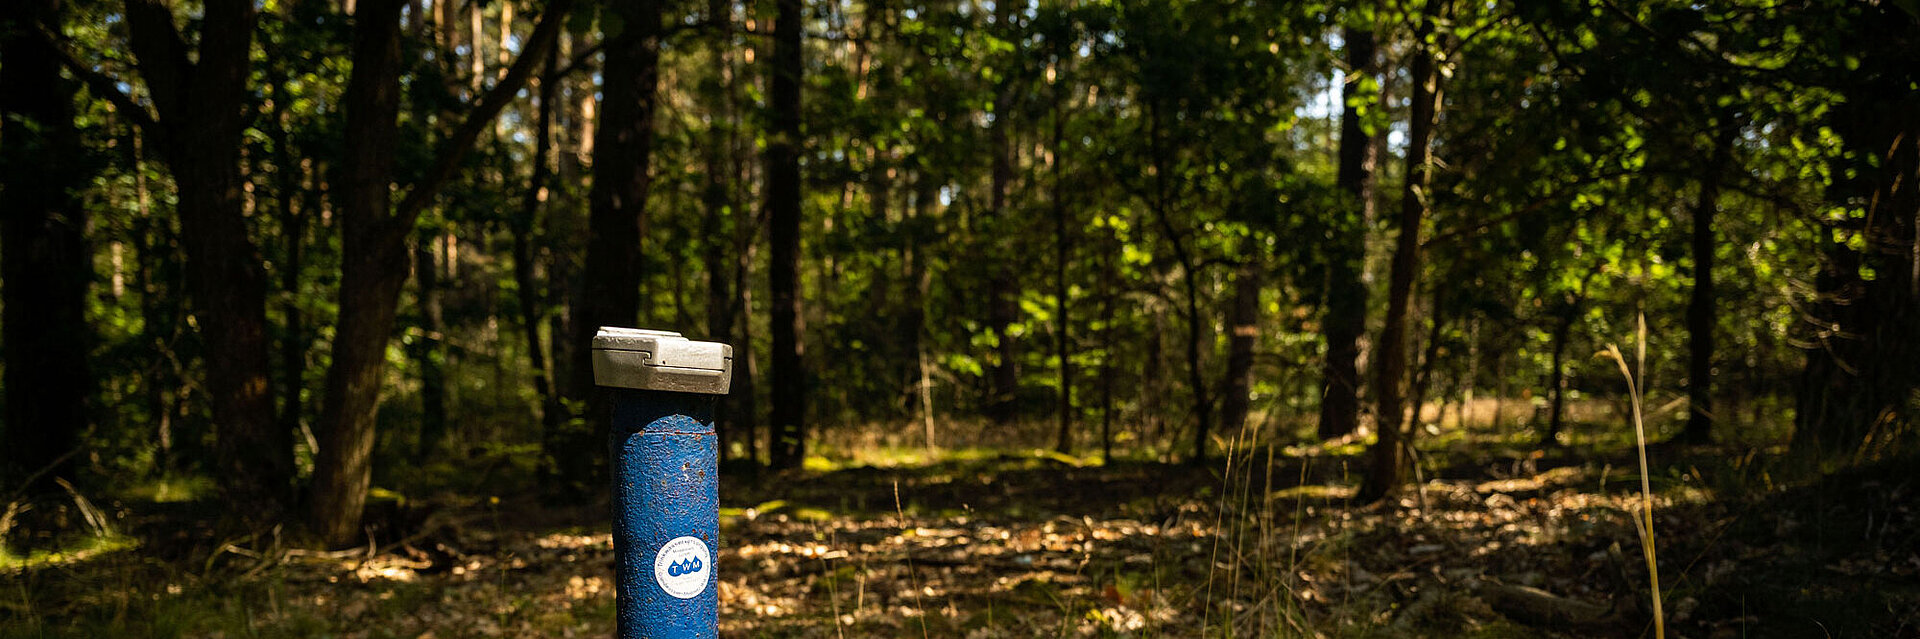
(374, 248)
(1244, 327)
(1107, 303)
(1003, 292)
(532, 304)
(1387, 456)
(717, 196)
(617, 223)
(1063, 253)
(1557, 375)
(1567, 312)
(789, 437)
(746, 235)
(1346, 314)
(1190, 281)
(293, 230)
(1701, 315)
(201, 104)
(918, 282)
(373, 269)
(1152, 376)
(45, 262)
(1429, 361)
(428, 353)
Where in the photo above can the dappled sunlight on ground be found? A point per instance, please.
(1022, 544)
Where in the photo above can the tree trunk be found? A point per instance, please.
(1196, 373)
(1107, 299)
(1386, 458)
(199, 100)
(45, 261)
(293, 231)
(1429, 361)
(1557, 382)
(1152, 376)
(746, 369)
(1244, 327)
(617, 223)
(532, 303)
(373, 270)
(919, 282)
(374, 250)
(717, 196)
(789, 437)
(1701, 316)
(1063, 253)
(1003, 292)
(1346, 315)
(1557, 379)
(1190, 280)
(428, 353)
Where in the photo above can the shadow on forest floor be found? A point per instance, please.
(1502, 542)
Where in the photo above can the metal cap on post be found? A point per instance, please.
(666, 494)
(644, 359)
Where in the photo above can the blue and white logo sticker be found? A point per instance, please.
(683, 567)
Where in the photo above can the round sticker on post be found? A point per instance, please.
(683, 567)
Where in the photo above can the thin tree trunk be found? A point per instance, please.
(1501, 388)
(1386, 458)
(717, 196)
(746, 370)
(746, 234)
(1107, 298)
(1346, 315)
(1244, 325)
(1063, 253)
(1190, 280)
(428, 354)
(373, 270)
(199, 100)
(1429, 360)
(1152, 374)
(562, 227)
(1701, 316)
(789, 438)
(1557, 381)
(1003, 292)
(526, 289)
(617, 225)
(374, 254)
(918, 283)
(45, 262)
(293, 231)
(1466, 385)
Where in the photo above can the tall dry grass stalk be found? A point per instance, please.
(1643, 522)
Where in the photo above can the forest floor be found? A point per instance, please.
(1496, 540)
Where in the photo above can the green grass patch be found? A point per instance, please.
(82, 549)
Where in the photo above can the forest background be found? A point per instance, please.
(298, 277)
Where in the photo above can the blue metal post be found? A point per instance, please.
(666, 526)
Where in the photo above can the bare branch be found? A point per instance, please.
(456, 146)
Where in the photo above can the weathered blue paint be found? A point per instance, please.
(666, 486)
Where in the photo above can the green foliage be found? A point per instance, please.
(1179, 139)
